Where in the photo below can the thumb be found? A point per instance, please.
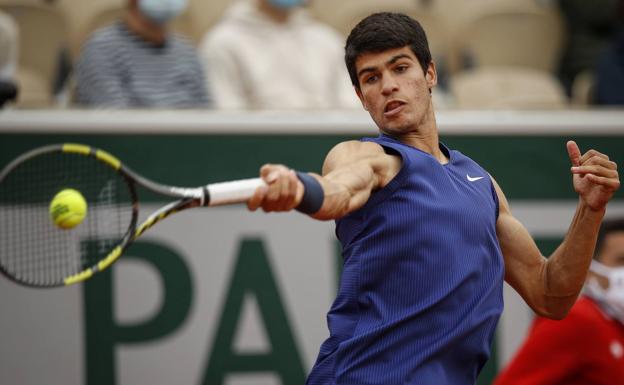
(574, 153)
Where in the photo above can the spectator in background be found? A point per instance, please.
(591, 25)
(8, 58)
(137, 63)
(609, 73)
(586, 347)
(8, 47)
(270, 54)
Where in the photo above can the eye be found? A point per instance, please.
(401, 68)
(371, 79)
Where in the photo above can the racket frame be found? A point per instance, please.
(208, 195)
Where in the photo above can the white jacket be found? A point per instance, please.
(252, 62)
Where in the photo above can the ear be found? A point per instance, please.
(431, 75)
(358, 92)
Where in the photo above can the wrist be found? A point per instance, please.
(586, 208)
(312, 197)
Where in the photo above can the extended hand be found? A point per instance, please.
(282, 193)
(595, 177)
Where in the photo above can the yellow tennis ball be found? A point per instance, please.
(68, 208)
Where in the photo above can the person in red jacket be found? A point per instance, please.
(586, 347)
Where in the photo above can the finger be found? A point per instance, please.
(285, 193)
(573, 152)
(271, 176)
(593, 153)
(254, 202)
(269, 172)
(600, 161)
(293, 186)
(596, 170)
(266, 169)
(274, 189)
(608, 183)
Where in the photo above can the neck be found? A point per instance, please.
(424, 137)
(278, 15)
(144, 28)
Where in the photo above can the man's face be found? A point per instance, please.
(612, 253)
(394, 89)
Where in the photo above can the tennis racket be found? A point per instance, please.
(34, 251)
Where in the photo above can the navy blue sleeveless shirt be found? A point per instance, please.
(421, 288)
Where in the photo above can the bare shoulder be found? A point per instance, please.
(346, 154)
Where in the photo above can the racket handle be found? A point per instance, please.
(237, 191)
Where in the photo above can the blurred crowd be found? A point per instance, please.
(288, 54)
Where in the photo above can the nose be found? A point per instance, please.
(389, 85)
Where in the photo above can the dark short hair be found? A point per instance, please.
(607, 227)
(383, 31)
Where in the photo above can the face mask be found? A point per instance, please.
(286, 3)
(161, 11)
(614, 295)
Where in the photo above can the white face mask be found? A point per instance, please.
(286, 4)
(614, 295)
(161, 11)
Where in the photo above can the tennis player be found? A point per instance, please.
(427, 234)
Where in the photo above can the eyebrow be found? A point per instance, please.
(392, 60)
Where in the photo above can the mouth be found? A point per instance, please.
(393, 107)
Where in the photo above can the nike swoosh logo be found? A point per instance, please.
(471, 179)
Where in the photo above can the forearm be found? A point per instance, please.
(351, 172)
(551, 286)
(566, 269)
(330, 196)
(344, 191)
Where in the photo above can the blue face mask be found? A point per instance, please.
(161, 11)
(286, 3)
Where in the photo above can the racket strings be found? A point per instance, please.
(33, 249)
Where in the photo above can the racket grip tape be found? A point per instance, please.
(238, 191)
(313, 194)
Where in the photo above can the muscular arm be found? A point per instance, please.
(550, 286)
(351, 172)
